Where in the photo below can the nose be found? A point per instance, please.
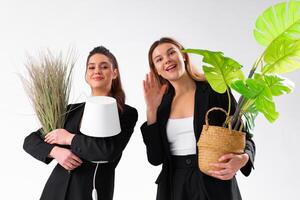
(98, 70)
(167, 60)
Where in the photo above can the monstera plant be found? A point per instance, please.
(278, 29)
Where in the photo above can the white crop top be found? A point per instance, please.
(180, 134)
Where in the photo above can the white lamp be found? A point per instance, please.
(100, 117)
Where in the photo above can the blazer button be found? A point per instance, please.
(188, 161)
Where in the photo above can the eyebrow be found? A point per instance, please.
(102, 63)
(171, 48)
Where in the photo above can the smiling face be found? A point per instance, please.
(168, 61)
(100, 73)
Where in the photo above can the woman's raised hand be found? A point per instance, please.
(153, 93)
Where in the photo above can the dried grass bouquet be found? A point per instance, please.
(48, 86)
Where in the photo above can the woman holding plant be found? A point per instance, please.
(72, 178)
(176, 106)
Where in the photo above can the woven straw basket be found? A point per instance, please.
(215, 141)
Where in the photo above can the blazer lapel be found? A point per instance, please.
(200, 107)
(74, 117)
(164, 114)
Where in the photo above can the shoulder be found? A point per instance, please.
(74, 109)
(214, 98)
(75, 106)
(129, 108)
(204, 86)
(129, 111)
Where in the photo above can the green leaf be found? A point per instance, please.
(279, 85)
(283, 19)
(258, 90)
(282, 56)
(250, 88)
(265, 104)
(220, 71)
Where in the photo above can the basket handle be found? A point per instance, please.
(220, 109)
(214, 109)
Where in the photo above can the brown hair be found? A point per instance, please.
(187, 62)
(116, 90)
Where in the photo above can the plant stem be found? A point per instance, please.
(236, 118)
(229, 108)
(237, 125)
(237, 112)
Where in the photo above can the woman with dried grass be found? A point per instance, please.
(72, 178)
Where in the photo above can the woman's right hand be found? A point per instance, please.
(65, 158)
(153, 94)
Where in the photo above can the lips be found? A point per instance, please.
(170, 67)
(98, 78)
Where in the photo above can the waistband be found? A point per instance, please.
(188, 161)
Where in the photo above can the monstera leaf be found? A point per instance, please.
(282, 56)
(220, 71)
(258, 92)
(278, 85)
(281, 20)
(250, 88)
(265, 104)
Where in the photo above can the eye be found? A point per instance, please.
(158, 60)
(103, 67)
(91, 67)
(172, 52)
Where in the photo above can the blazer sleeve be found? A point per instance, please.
(250, 145)
(36, 147)
(153, 141)
(110, 148)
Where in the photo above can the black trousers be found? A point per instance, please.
(186, 184)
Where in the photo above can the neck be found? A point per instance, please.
(96, 92)
(183, 85)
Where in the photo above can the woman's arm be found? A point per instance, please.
(250, 150)
(153, 141)
(153, 94)
(36, 147)
(39, 149)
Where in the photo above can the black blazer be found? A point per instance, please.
(158, 150)
(77, 185)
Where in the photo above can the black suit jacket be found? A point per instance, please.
(77, 185)
(158, 150)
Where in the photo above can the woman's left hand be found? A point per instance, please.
(229, 164)
(59, 136)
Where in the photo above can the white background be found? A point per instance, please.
(128, 28)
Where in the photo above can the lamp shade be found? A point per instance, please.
(100, 117)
